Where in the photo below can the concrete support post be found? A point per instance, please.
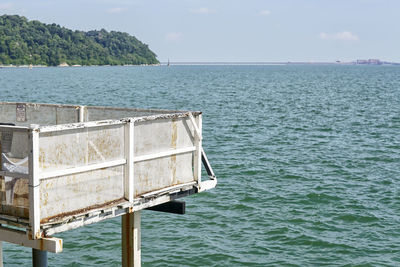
(39, 258)
(131, 240)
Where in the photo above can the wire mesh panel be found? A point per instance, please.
(14, 197)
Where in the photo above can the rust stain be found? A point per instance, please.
(173, 169)
(127, 238)
(39, 235)
(174, 136)
(15, 211)
(145, 184)
(45, 199)
(20, 196)
(99, 188)
(173, 157)
(59, 217)
(42, 159)
(41, 244)
(2, 183)
(60, 154)
(104, 144)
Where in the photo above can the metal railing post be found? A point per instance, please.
(129, 165)
(34, 194)
(197, 125)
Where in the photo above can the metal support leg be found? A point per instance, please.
(39, 258)
(1, 254)
(131, 240)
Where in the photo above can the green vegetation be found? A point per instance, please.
(24, 42)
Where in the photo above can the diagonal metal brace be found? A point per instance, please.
(207, 165)
(206, 185)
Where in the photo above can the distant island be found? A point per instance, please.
(24, 42)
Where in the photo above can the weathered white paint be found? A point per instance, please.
(86, 168)
(99, 113)
(98, 215)
(82, 172)
(80, 193)
(34, 193)
(131, 240)
(207, 185)
(60, 150)
(166, 116)
(157, 166)
(18, 237)
(197, 157)
(81, 114)
(129, 166)
(82, 169)
(165, 154)
(43, 114)
(197, 128)
(79, 125)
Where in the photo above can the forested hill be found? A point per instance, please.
(24, 42)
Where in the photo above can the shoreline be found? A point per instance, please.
(73, 66)
(210, 64)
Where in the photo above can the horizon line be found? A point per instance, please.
(354, 62)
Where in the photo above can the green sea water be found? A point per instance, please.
(308, 161)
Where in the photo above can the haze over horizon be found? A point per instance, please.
(234, 30)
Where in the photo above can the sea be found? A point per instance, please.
(307, 159)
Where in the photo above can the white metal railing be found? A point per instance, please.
(165, 154)
(119, 165)
(36, 175)
(80, 169)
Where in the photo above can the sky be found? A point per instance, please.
(236, 30)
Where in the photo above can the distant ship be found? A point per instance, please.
(168, 63)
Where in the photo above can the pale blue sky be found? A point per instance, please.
(236, 30)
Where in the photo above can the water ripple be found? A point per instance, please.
(307, 159)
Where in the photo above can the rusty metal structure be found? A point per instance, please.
(66, 166)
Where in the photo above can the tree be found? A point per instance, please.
(51, 44)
